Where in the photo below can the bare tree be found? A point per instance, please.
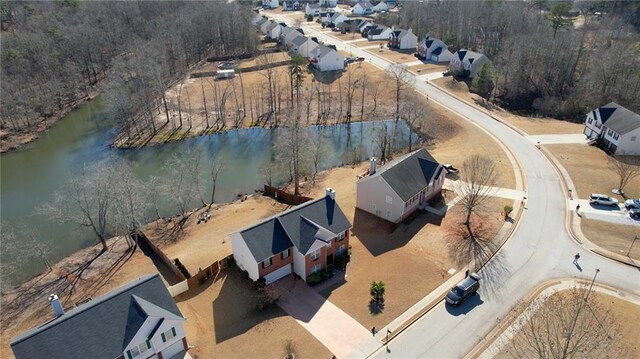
(402, 79)
(132, 201)
(627, 168)
(413, 112)
(178, 186)
(22, 244)
(566, 324)
(217, 165)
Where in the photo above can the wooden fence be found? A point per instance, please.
(238, 70)
(163, 257)
(285, 196)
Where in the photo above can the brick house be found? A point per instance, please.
(302, 240)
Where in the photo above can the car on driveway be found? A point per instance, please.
(600, 199)
(463, 290)
(359, 59)
(634, 213)
(632, 203)
(450, 169)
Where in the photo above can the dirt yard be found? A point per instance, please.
(397, 56)
(624, 313)
(428, 68)
(589, 169)
(616, 238)
(223, 322)
(370, 43)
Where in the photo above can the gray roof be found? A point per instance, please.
(299, 40)
(295, 227)
(410, 173)
(403, 33)
(620, 119)
(313, 6)
(468, 55)
(100, 328)
(324, 51)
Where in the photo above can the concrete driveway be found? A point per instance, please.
(334, 328)
(604, 213)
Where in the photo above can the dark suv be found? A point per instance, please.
(464, 289)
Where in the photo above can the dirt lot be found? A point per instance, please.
(397, 56)
(626, 314)
(370, 43)
(348, 36)
(428, 68)
(616, 238)
(590, 172)
(223, 322)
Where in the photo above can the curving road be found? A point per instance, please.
(539, 250)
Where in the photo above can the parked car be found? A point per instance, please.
(464, 289)
(446, 73)
(600, 199)
(349, 60)
(226, 65)
(450, 169)
(632, 204)
(359, 59)
(634, 213)
(335, 29)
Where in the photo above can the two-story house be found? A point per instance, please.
(139, 320)
(617, 128)
(302, 240)
(324, 58)
(432, 49)
(402, 39)
(468, 62)
(397, 189)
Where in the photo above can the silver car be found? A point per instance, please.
(632, 203)
(600, 199)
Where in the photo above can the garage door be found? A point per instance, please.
(277, 274)
(174, 349)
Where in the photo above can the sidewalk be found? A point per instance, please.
(514, 194)
(558, 139)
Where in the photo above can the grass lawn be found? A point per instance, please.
(223, 322)
(397, 56)
(428, 68)
(590, 172)
(616, 238)
(624, 313)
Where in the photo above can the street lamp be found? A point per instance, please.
(631, 246)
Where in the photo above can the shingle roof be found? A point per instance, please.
(295, 227)
(410, 173)
(404, 33)
(313, 6)
(100, 328)
(324, 51)
(437, 51)
(299, 41)
(620, 119)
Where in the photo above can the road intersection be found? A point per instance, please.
(540, 249)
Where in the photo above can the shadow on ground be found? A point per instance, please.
(380, 236)
(466, 306)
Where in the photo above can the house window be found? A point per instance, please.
(316, 268)
(615, 136)
(633, 138)
(590, 120)
(389, 199)
(340, 249)
(266, 263)
(139, 349)
(341, 236)
(610, 132)
(168, 335)
(284, 254)
(315, 255)
(598, 125)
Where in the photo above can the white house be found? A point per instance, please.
(432, 49)
(287, 34)
(379, 32)
(363, 7)
(468, 61)
(337, 19)
(617, 128)
(256, 17)
(327, 59)
(312, 9)
(328, 3)
(139, 320)
(303, 46)
(270, 4)
(264, 25)
(273, 30)
(400, 187)
(363, 25)
(381, 6)
(291, 5)
(402, 39)
(302, 240)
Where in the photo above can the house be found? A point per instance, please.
(303, 46)
(302, 240)
(270, 4)
(273, 30)
(325, 16)
(398, 188)
(337, 18)
(467, 61)
(256, 18)
(139, 320)
(381, 6)
(363, 7)
(291, 5)
(379, 32)
(287, 34)
(402, 39)
(312, 9)
(363, 25)
(264, 24)
(616, 128)
(326, 59)
(432, 49)
(328, 3)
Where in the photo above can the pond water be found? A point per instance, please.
(29, 177)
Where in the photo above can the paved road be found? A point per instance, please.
(539, 250)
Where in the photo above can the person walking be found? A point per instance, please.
(578, 209)
(575, 258)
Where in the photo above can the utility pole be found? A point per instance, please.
(631, 246)
(575, 318)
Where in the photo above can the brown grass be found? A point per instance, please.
(624, 313)
(397, 56)
(369, 43)
(589, 170)
(223, 322)
(616, 238)
(540, 126)
(428, 68)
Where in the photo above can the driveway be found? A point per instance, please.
(334, 328)
(604, 213)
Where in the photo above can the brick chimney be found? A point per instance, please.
(57, 306)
